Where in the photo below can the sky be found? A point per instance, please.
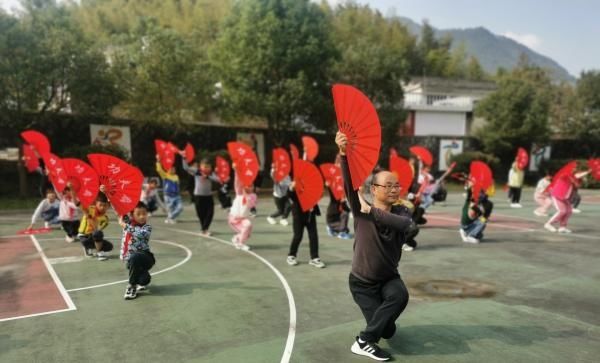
(566, 30)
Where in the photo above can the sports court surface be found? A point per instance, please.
(524, 295)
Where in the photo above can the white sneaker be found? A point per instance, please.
(316, 262)
(471, 240)
(407, 248)
(292, 261)
(564, 230)
(243, 247)
(206, 233)
(283, 222)
(69, 239)
(463, 235)
(46, 224)
(234, 240)
(101, 256)
(550, 227)
(271, 220)
(576, 210)
(168, 221)
(540, 214)
(516, 205)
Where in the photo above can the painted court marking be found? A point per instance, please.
(63, 292)
(289, 345)
(75, 259)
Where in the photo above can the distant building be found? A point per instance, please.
(443, 107)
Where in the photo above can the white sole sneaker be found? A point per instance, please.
(471, 240)
(564, 230)
(271, 220)
(463, 235)
(550, 228)
(292, 262)
(356, 350)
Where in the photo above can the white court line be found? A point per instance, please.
(289, 345)
(490, 222)
(186, 259)
(57, 282)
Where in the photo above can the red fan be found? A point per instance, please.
(309, 184)
(358, 120)
(245, 160)
(481, 176)
(122, 182)
(166, 153)
(38, 140)
(311, 147)
(294, 151)
(172, 147)
(404, 172)
(223, 169)
(594, 165)
(567, 169)
(56, 171)
(281, 164)
(83, 179)
(333, 176)
(30, 158)
(522, 158)
(422, 153)
(189, 152)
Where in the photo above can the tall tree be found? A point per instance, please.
(271, 59)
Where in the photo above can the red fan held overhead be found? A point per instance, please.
(122, 182)
(245, 160)
(281, 164)
(333, 176)
(30, 159)
(294, 151)
(311, 148)
(189, 153)
(222, 169)
(358, 120)
(308, 184)
(522, 158)
(38, 140)
(401, 167)
(481, 176)
(594, 165)
(422, 153)
(83, 179)
(166, 152)
(56, 171)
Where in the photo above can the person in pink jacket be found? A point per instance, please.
(561, 192)
(239, 214)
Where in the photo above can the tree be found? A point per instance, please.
(272, 58)
(376, 55)
(588, 121)
(517, 112)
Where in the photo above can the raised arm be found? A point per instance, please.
(351, 194)
(189, 169)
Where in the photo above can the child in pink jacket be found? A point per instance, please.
(239, 214)
(561, 192)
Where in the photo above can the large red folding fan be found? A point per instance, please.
(358, 120)
(522, 158)
(333, 176)
(481, 176)
(56, 171)
(311, 147)
(281, 164)
(422, 153)
(404, 172)
(166, 152)
(308, 184)
(189, 153)
(245, 160)
(38, 140)
(222, 169)
(84, 180)
(594, 165)
(122, 181)
(294, 151)
(30, 158)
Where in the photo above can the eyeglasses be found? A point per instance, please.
(389, 187)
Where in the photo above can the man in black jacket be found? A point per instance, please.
(375, 283)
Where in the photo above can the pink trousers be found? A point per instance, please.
(242, 227)
(564, 209)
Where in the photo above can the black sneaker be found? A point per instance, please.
(370, 350)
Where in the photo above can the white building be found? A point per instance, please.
(443, 107)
